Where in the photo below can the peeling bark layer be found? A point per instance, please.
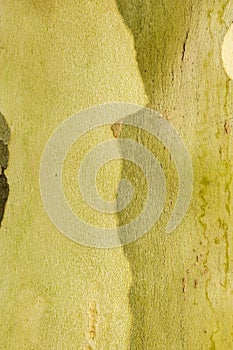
(57, 58)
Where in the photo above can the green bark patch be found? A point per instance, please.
(181, 296)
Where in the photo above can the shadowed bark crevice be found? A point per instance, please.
(4, 156)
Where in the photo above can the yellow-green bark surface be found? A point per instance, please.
(163, 291)
(56, 59)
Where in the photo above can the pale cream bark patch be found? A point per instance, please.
(227, 52)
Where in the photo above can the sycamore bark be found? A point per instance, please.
(163, 291)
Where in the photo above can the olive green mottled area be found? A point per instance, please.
(56, 59)
(182, 291)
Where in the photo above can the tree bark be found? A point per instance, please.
(162, 291)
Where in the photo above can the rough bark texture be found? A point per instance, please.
(163, 291)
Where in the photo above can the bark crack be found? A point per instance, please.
(184, 45)
(4, 156)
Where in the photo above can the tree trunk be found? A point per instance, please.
(163, 291)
